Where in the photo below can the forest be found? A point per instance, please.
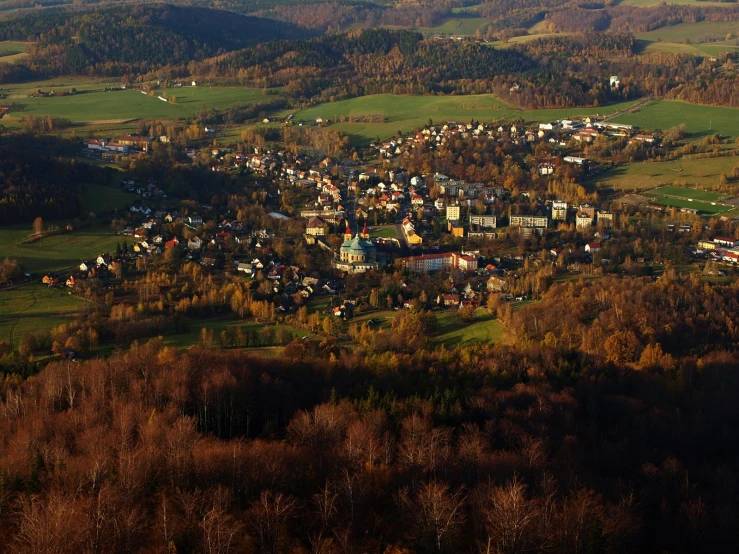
(136, 39)
(610, 443)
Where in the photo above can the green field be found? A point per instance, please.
(385, 232)
(100, 199)
(699, 120)
(648, 3)
(117, 107)
(455, 332)
(695, 32)
(11, 51)
(405, 113)
(687, 194)
(706, 208)
(57, 251)
(35, 308)
(456, 26)
(687, 171)
(524, 38)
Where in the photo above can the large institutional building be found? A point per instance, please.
(436, 262)
(357, 254)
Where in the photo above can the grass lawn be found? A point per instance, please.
(404, 113)
(688, 194)
(35, 308)
(382, 319)
(703, 207)
(453, 331)
(100, 199)
(699, 120)
(12, 51)
(695, 32)
(456, 26)
(385, 232)
(703, 173)
(58, 251)
(121, 107)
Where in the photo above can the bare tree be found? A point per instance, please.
(436, 514)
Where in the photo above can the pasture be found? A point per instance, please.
(688, 171)
(452, 331)
(35, 308)
(456, 26)
(405, 113)
(699, 120)
(99, 107)
(12, 51)
(56, 252)
(702, 31)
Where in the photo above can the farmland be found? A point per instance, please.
(404, 113)
(57, 251)
(698, 120)
(12, 51)
(119, 107)
(695, 32)
(688, 171)
(457, 26)
(35, 308)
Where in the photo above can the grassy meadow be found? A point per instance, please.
(405, 113)
(453, 331)
(699, 120)
(56, 252)
(116, 108)
(698, 32)
(457, 26)
(35, 308)
(688, 171)
(12, 51)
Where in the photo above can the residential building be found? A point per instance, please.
(484, 221)
(583, 221)
(559, 210)
(453, 212)
(316, 227)
(606, 218)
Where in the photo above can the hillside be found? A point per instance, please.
(137, 38)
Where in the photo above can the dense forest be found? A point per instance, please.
(136, 39)
(607, 441)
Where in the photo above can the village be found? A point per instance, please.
(370, 215)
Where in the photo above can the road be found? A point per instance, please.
(640, 104)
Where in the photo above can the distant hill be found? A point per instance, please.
(138, 37)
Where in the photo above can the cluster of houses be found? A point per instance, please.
(720, 248)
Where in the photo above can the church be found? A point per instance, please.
(357, 254)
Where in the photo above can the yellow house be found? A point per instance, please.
(414, 239)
